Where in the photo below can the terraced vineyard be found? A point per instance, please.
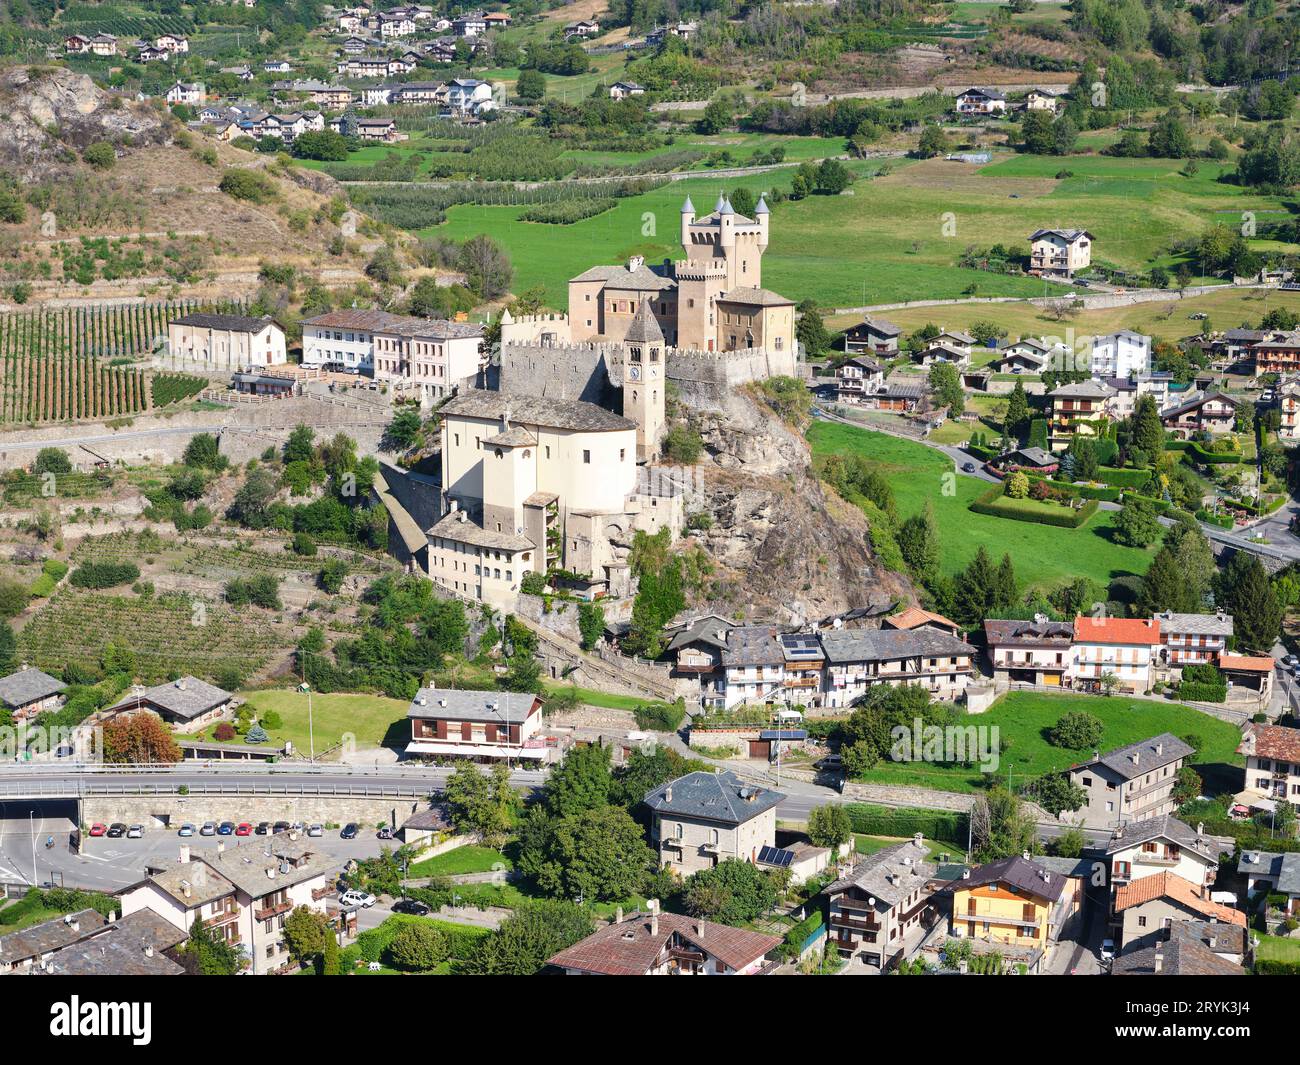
(105, 330)
(169, 634)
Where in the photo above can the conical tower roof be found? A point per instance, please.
(644, 328)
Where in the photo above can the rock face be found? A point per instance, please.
(784, 547)
(47, 113)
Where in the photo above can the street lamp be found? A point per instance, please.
(311, 731)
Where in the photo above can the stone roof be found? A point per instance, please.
(48, 936)
(752, 645)
(402, 324)
(992, 94)
(185, 697)
(434, 819)
(291, 861)
(27, 686)
(999, 633)
(644, 328)
(515, 436)
(640, 279)
(754, 297)
(721, 797)
(877, 645)
(1284, 868)
(890, 875)
(546, 411)
(131, 946)
(1219, 624)
(1138, 759)
(1166, 827)
(631, 947)
(175, 877)
(455, 704)
(710, 629)
(1184, 953)
(881, 326)
(1021, 873)
(1083, 390)
(1070, 235)
(457, 526)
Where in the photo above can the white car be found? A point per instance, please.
(316, 830)
(135, 832)
(357, 898)
(1107, 950)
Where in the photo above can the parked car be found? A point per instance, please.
(116, 830)
(414, 907)
(97, 829)
(209, 828)
(1107, 950)
(280, 826)
(1291, 660)
(243, 829)
(968, 467)
(263, 827)
(348, 831)
(226, 828)
(384, 833)
(316, 830)
(135, 832)
(186, 829)
(357, 898)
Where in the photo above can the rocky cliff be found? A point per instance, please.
(785, 548)
(49, 113)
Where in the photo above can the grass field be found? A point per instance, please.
(1044, 556)
(374, 720)
(1023, 719)
(1278, 948)
(468, 859)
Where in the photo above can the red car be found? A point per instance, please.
(97, 829)
(243, 829)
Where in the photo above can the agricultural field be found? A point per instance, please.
(1023, 719)
(1044, 556)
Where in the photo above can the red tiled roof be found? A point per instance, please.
(629, 948)
(1272, 741)
(1116, 630)
(1249, 663)
(1172, 886)
(914, 617)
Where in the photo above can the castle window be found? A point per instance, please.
(499, 453)
(586, 457)
(622, 454)
(690, 302)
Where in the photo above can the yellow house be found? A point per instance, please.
(1015, 902)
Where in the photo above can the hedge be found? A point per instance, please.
(1223, 521)
(798, 935)
(1123, 478)
(944, 825)
(1108, 494)
(1162, 505)
(1068, 518)
(1276, 967)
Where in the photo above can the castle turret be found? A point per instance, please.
(761, 214)
(727, 220)
(643, 380)
(688, 216)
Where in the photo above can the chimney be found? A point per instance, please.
(1159, 962)
(1213, 942)
(148, 951)
(653, 906)
(699, 929)
(75, 925)
(221, 846)
(618, 915)
(185, 888)
(668, 793)
(185, 854)
(918, 838)
(112, 917)
(1200, 829)
(1025, 855)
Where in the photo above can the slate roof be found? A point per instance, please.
(630, 948)
(1070, 235)
(991, 94)
(499, 708)
(880, 326)
(1083, 390)
(642, 279)
(186, 698)
(1196, 624)
(1021, 873)
(235, 323)
(752, 645)
(292, 860)
(205, 884)
(721, 797)
(864, 362)
(48, 936)
(1183, 954)
(754, 297)
(515, 436)
(644, 328)
(131, 946)
(1120, 760)
(1059, 634)
(1271, 741)
(27, 686)
(1284, 868)
(545, 411)
(710, 629)
(1164, 827)
(434, 819)
(1198, 400)
(875, 645)
(890, 875)
(1168, 885)
(402, 324)
(1031, 456)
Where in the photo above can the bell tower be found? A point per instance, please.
(643, 381)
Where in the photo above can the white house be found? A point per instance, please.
(1120, 354)
(186, 92)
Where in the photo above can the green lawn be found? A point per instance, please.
(1278, 948)
(470, 858)
(373, 720)
(1044, 555)
(1023, 719)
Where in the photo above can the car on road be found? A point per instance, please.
(186, 829)
(414, 907)
(316, 830)
(1107, 950)
(357, 898)
(209, 828)
(968, 467)
(226, 828)
(297, 826)
(98, 829)
(348, 831)
(384, 833)
(243, 829)
(1291, 660)
(135, 832)
(263, 827)
(116, 830)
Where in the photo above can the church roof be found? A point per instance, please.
(644, 329)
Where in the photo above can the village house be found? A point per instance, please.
(858, 659)
(471, 25)
(1132, 783)
(1022, 357)
(1212, 412)
(704, 818)
(913, 618)
(886, 896)
(484, 726)
(1193, 639)
(1164, 844)
(98, 44)
(666, 944)
(697, 649)
(1059, 252)
(1277, 352)
(805, 662)
(1082, 407)
(150, 54)
(170, 42)
(1120, 354)
(857, 378)
(1147, 907)
(243, 894)
(1193, 948)
(939, 352)
(1016, 904)
(498, 20)
(30, 692)
(389, 25)
(1029, 459)
(900, 396)
(1249, 676)
(1289, 406)
(754, 666)
(872, 336)
(191, 93)
(138, 944)
(622, 90)
(1042, 100)
(1030, 652)
(186, 703)
(1272, 762)
(33, 947)
(1269, 871)
(227, 341)
(277, 66)
(975, 101)
(468, 96)
(370, 130)
(583, 28)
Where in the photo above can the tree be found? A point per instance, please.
(1075, 730)
(207, 954)
(945, 383)
(1000, 827)
(1169, 138)
(1036, 132)
(829, 825)
(598, 854)
(732, 892)
(14, 597)
(1245, 592)
(530, 85)
(1148, 433)
(580, 783)
(324, 145)
(418, 947)
(810, 330)
(833, 177)
(1069, 844)
(100, 155)
(482, 802)
(305, 932)
(977, 595)
(591, 624)
(384, 266)
(1165, 586)
(918, 540)
(486, 267)
(299, 447)
(1137, 524)
(403, 431)
(532, 934)
(8, 648)
(1016, 420)
(716, 118)
(1057, 793)
(139, 739)
(330, 963)
(933, 142)
(52, 460)
(742, 200)
(1017, 486)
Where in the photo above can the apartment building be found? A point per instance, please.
(1015, 903)
(1277, 352)
(1164, 844)
(857, 659)
(1193, 639)
(703, 818)
(1132, 783)
(873, 907)
(1030, 652)
(1272, 762)
(1083, 407)
(1059, 252)
(1123, 353)
(754, 665)
(1202, 412)
(857, 378)
(1114, 650)
(483, 726)
(1289, 405)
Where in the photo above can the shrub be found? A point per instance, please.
(105, 574)
(1076, 730)
(247, 185)
(224, 732)
(100, 155)
(660, 717)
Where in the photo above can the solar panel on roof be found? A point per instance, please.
(775, 856)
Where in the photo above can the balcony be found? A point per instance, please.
(839, 920)
(858, 905)
(274, 910)
(224, 918)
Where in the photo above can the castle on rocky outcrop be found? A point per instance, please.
(703, 322)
